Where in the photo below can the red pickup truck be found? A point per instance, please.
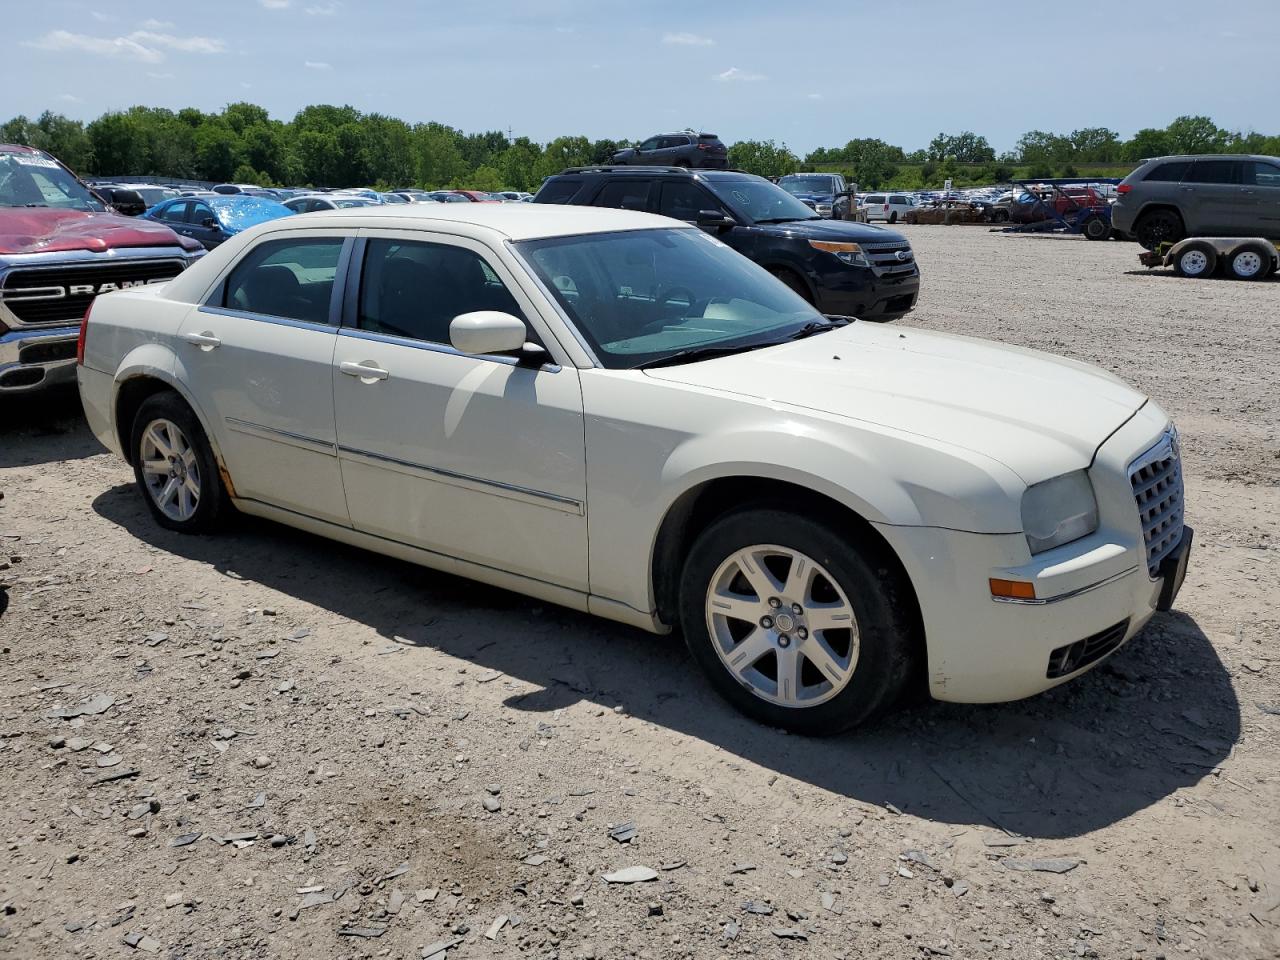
(61, 246)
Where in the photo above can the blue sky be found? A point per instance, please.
(813, 74)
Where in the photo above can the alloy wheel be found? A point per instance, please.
(170, 469)
(782, 626)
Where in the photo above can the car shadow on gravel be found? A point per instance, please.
(44, 427)
(1158, 717)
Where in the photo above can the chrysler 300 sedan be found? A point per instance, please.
(616, 412)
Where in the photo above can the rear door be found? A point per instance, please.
(1260, 214)
(1212, 197)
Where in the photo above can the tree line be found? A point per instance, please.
(334, 146)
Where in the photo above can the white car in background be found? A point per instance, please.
(889, 207)
(311, 202)
(616, 412)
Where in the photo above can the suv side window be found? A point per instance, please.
(682, 200)
(292, 279)
(625, 193)
(1263, 175)
(898, 200)
(558, 191)
(1170, 172)
(1213, 171)
(414, 289)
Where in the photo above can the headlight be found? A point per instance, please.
(1059, 511)
(850, 253)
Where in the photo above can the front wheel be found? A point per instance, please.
(174, 466)
(795, 625)
(792, 280)
(893, 217)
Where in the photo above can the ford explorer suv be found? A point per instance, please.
(686, 149)
(1169, 198)
(842, 268)
(59, 248)
(828, 194)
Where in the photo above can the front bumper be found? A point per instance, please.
(1093, 595)
(860, 292)
(32, 359)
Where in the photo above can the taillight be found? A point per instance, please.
(704, 146)
(84, 328)
(886, 208)
(1124, 188)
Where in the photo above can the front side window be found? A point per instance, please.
(625, 194)
(640, 296)
(200, 214)
(684, 201)
(292, 279)
(897, 199)
(650, 144)
(415, 289)
(174, 213)
(1213, 171)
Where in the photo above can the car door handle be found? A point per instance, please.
(205, 341)
(365, 370)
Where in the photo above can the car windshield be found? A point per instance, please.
(243, 212)
(36, 180)
(153, 195)
(642, 296)
(806, 185)
(757, 199)
(356, 202)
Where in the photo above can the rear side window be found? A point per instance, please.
(874, 199)
(558, 191)
(1213, 171)
(292, 279)
(625, 194)
(1264, 174)
(897, 199)
(1170, 172)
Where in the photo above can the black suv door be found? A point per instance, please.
(686, 199)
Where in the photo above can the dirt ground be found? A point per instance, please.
(322, 753)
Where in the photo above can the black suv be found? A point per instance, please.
(676, 150)
(842, 268)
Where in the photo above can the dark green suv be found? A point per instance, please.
(1169, 198)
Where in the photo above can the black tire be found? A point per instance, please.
(861, 569)
(893, 216)
(1157, 227)
(1095, 228)
(1195, 261)
(212, 504)
(793, 280)
(1250, 261)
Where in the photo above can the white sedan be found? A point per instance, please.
(616, 412)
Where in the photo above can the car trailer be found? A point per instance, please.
(1241, 258)
(1093, 222)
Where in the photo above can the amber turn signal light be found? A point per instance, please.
(1012, 589)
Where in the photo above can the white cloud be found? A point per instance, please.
(734, 75)
(317, 65)
(815, 96)
(160, 76)
(69, 98)
(101, 17)
(156, 25)
(323, 9)
(687, 40)
(144, 46)
(275, 4)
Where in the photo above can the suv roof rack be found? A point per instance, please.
(644, 168)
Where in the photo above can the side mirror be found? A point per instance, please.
(210, 222)
(715, 218)
(487, 331)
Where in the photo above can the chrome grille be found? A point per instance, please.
(885, 255)
(1156, 477)
(36, 296)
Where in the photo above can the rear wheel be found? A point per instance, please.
(1157, 227)
(1250, 262)
(1197, 260)
(893, 217)
(794, 624)
(174, 466)
(792, 280)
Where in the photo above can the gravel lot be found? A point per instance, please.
(322, 753)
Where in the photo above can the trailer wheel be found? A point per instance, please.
(1197, 260)
(1095, 228)
(1157, 227)
(1250, 262)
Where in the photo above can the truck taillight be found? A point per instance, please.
(1124, 188)
(84, 328)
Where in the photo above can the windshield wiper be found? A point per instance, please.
(785, 219)
(694, 354)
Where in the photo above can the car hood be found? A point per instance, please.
(1038, 414)
(42, 230)
(815, 197)
(817, 229)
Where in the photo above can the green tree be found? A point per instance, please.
(965, 147)
(118, 145)
(763, 157)
(218, 151)
(1195, 135)
(1147, 142)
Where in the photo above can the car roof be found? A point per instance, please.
(1211, 156)
(513, 221)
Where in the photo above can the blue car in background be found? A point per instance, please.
(213, 219)
(827, 194)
